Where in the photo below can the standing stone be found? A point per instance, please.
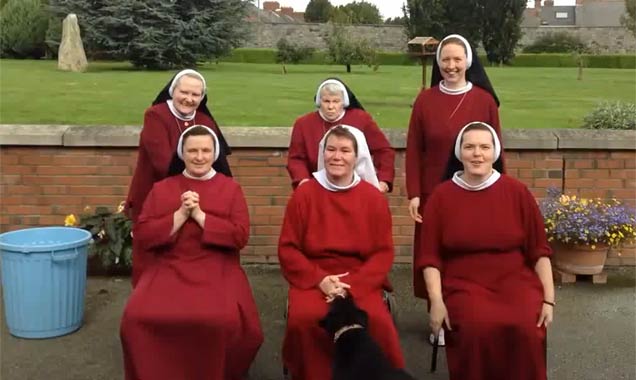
(71, 56)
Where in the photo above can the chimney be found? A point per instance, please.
(287, 11)
(537, 4)
(271, 6)
(548, 3)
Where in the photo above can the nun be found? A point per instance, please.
(192, 314)
(460, 92)
(336, 104)
(179, 105)
(336, 240)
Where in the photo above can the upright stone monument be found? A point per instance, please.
(71, 55)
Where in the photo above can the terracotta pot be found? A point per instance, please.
(579, 259)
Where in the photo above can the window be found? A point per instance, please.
(561, 15)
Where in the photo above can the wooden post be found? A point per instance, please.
(423, 60)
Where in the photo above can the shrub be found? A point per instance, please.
(612, 115)
(23, 25)
(556, 42)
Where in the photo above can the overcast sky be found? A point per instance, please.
(388, 8)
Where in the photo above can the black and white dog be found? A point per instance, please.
(356, 355)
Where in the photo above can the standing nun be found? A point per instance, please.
(179, 105)
(460, 92)
(336, 104)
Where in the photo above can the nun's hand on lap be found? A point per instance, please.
(438, 316)
(414, 207)
(384, 187)
(546, 316)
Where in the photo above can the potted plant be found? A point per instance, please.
(112, 243)
(581, 230)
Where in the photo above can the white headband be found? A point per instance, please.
(182, 73)
(495, 138)
(216, 141)
(341, 86)
(469, 51)
(364, 164)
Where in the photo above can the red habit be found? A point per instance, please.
(492, 293)
(308, 131)
(192, 314)
(157, 145)
(436, 120)
(327, 233)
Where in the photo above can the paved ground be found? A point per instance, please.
(593, 336)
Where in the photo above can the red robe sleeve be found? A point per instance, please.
(381, 151)
(232, 231)
(430, 252)
(414, 147)
(297, 156)
(373, 273)
(536, 243)
(154, 140)
(155, 222)
(296, 267)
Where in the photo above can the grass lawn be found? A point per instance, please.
(35, 92)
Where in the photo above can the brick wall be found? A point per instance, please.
(40, 184)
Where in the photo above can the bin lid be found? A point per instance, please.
(44, 239)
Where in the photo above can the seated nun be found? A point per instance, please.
(336, 240)
(192, 314)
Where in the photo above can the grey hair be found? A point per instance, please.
(193, 76)
(332, 89)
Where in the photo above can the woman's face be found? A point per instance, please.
(331, 105)
(477, 153)
(339, 159)
(453, 64)
(187, 94)
(198, 154)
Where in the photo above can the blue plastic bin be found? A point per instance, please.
(44, 280)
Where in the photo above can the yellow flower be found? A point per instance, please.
(121, 206)
(70, 220)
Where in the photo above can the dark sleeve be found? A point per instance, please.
(231, 232)
(494, 122)
(414, 148)
(297, 269)
(381, 151)
(373, 273)
(221, 164)
(297, 160)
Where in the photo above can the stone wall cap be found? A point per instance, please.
(596, 139)
(520, 139)
(278, 137)
(102, 135)
(23, 134)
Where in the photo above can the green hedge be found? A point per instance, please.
(245, 55)
(567, 60)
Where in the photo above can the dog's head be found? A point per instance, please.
(343, 312)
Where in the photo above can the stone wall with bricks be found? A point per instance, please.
(47, 172)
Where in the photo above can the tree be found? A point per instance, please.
(395, 21)
(465, 17)
(425, 18)
(501, 28)
(23, 26)
(356, 13)
(344, 50)
(159, 34)
(288, 52)
(628, 20)
(318, 11)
